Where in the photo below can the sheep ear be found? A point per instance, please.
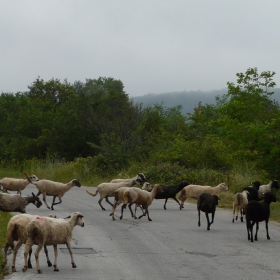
(33, 194)
(67, 217)
(80, 216)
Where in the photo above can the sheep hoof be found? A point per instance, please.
(49, 207)
(39, 271)
(111, 214)
(14, 269)
(120, 217)
(55, 268)
(29, 265)
(233, 220)
(24, 268)
(49, 264)
(241, 220)
(208, 228)
(74, 265)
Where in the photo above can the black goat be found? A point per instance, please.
(170, 191)
(256, 212)
(253, 191)
(207, 203)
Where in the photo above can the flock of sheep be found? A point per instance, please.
(45, 231)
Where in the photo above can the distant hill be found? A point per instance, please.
(188, 100)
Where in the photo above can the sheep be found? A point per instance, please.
(141, 197)
(207, 203)
(240, 200)
(267, 188)
(140, 176)
(106, 190)
(119, 199)
(55, 189)
(253, 191)
(12, 184)
(16, 203)
(256, 212)
(49, 231)
(170, 191)
(16, 231)
(193, 191)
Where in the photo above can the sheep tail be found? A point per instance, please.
(93, 194)
(182, 194)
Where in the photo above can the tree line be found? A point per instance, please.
(98, 121)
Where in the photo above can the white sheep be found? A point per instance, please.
(240, 200)
(141, 197)
(267, 188)
(17, 203)
(140, 176)
(55, 189)
(16, 231)
(49, 231)
(119, 199)
(106, 190)
(193, 191)
(12, 184)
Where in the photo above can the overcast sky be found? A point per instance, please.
(152, 46)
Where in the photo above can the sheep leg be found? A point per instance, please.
(55, 258)
(177, 200)
(29, 259)
(28, 247)
(144, 214)
(123, 207)
(199, 218)
(164, 206)
(266, 226)
(251, 231)
(44, 199)
(132, 215)
(208, 222)
(108, 201)
(71, 254)
(5, 252)
(113, 209)
(248, 225)
(182, 204)
(47, 256)
(37, 252)
(257, 228)
(99, 201)
(60, 201)
(241, 215)
(233, 213)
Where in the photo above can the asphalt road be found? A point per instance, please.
(171, 246)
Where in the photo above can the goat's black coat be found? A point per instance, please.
(170, 191)
(253, 191)
(207, 203)
(256, 212)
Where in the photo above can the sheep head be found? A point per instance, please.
(76, 183)
(37, 201)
